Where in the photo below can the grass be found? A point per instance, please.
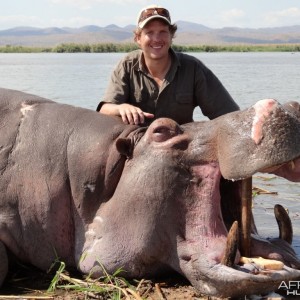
(108, 286)
(112, 48)
(28, 282)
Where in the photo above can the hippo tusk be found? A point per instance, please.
(292, 165)
(284, 223)
(231, 246)
(246, 216)
(263, 263)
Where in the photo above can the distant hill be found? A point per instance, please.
(188, 33)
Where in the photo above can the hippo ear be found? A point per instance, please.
(124, 146)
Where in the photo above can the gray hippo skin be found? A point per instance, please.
(89, 189)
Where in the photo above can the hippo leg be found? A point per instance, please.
(3, 263)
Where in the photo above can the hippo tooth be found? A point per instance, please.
(263, 263)
(284, 223)
(231, 246)
(292, 164)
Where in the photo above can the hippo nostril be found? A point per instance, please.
(186, 258)
(162, 133)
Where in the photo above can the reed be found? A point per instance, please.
(127, 47)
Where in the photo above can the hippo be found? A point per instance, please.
(153, 200)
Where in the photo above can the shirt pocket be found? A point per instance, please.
(183, 107)
(184, 99)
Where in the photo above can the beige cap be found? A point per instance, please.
(153, 12)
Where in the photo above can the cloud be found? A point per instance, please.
(34, 21)
(82, 4)
(88, 4)
(232, 15)
(289, 16)
(20, 20)
(75, 22)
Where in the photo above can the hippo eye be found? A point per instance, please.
(163, 133)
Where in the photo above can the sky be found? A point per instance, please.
(211, 13)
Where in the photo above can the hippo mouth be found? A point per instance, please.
(234, 265)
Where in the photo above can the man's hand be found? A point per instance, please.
(130, 114)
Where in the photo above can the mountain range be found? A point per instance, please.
(188, 33)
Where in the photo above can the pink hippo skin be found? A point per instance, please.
(93, 191)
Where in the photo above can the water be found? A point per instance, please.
(80, 79)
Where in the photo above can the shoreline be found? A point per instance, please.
(127, 47)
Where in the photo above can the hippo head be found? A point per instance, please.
(180, 192)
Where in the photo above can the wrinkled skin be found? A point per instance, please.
(151, 200)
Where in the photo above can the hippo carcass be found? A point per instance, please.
(91, 190)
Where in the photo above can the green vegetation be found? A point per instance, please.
(111, 47)
(106, 287)
(95, 48)
(72, 48)
(23, 49)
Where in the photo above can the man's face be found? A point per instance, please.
(155, 39)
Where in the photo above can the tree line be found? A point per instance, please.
(113, 48)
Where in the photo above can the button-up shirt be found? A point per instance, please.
(188, 84)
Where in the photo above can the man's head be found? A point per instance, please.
(154, 12)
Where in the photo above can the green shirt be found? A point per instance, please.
(188, 83)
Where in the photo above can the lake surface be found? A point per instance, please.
(80, 79)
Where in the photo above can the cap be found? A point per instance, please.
(153, 12)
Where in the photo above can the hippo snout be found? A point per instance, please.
(266, 137)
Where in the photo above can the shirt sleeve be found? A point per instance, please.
(211, 96)
(117, 91)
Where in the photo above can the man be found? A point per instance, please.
(155, 81)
